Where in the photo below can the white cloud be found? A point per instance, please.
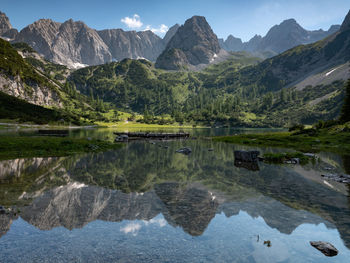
(132, 22)
(161, 222)
(162, 29)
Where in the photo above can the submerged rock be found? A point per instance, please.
(326, 248)
(122, 138)
(252, 166)
(341, 178)
(247, 156)
(184, 150)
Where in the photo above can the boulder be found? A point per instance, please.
(326, 248)
(247, 156)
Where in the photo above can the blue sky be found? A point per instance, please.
(241, 18)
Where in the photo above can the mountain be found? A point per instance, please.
(6, 30)
(131, 44)
(279, 38)
(71, 43)
(194, 43)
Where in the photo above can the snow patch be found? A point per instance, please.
(330, 72)
(213, 58)
(77, 65)
(77, 185)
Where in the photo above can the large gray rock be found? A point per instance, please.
(194, 43)
(326, 248)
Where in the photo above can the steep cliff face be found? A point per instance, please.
(19, 79)
(131, 44)
(34, 93)
(194, 43)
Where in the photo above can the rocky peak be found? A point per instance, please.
(194, 43)
(76, 45)
(40, 36)
(346, 23)
(6, 30)
(233, 43)
(333, 28)
(171, 32)
(196, 31)
(5, 24)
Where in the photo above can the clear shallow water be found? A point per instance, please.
(146, 203)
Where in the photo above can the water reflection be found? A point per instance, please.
(144, 184)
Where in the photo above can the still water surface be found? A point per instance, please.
(146, 203)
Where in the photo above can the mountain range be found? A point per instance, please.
(76, 45)
(279, 38)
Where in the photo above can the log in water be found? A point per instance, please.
(152, 135)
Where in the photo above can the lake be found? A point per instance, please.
(147, 203)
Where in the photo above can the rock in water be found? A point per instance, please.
(326, 248)
(185, 150)
(247, 156)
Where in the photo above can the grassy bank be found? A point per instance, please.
(334, 139)
(16, 147)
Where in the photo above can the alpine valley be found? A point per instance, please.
(68, 72)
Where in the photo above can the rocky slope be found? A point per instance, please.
(279, 38)
(194, 43)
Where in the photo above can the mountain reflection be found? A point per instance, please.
(192, 208)
(142, 180)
